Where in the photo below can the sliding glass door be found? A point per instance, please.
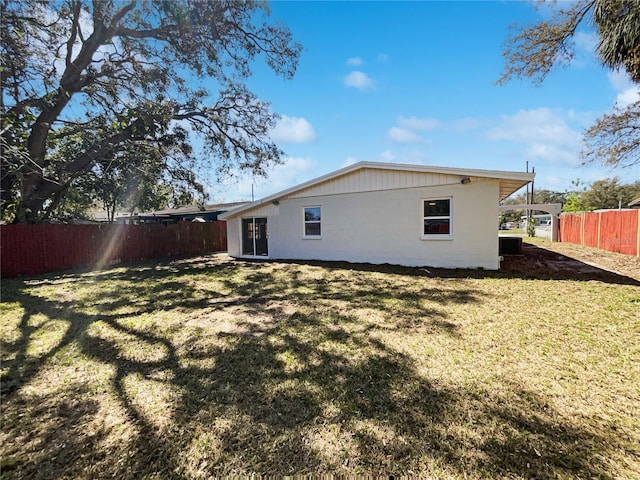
(254, 236)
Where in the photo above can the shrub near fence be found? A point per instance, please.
(614, 230)
(42, 248)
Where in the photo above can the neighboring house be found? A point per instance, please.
(380, 213)
(207, 213)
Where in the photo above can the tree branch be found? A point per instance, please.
(74, 32)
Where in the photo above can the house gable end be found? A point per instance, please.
(372, 179)
(372, 176)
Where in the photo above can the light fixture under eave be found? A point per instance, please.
(465, 180)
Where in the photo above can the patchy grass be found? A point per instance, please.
(212, 367)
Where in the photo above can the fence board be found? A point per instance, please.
(614, 230)
(36, 249)
(571, 228)
(591, 230)
(619, 231)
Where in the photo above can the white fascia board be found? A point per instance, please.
(463, 172)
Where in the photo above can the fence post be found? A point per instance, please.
(599, 224)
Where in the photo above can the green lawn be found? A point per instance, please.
(512, 231)
(212, 367)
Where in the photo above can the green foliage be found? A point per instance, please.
(531, 228)
(601, 194)
(140, 176)
(618, 23)
(609, 193)
(574, 203)
(132, 77)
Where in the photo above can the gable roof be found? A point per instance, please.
(509, 181)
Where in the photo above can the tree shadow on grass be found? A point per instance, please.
(318, 393)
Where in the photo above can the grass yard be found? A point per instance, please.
(212, 367)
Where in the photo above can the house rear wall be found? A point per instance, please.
(385, 227)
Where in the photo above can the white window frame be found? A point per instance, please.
(305, 222)
(436, 236)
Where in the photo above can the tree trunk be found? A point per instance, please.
(36, 193)
(36, 189)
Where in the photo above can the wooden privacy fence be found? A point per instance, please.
(35, 249)
(614, 230)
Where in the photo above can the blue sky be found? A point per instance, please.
(413, 82)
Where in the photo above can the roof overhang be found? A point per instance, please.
(509, 181)
(552, 208)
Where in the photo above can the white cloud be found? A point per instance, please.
(293, 171)
(469, 123)
(619, 80)
(407, 128)
(544, 133)
(586, 41)
(359, 80)
(412, 157)
(419, 124)
(293, 130)
(627, 97)
(527, 125)
(628, 91)
(388, 156)
(349, 161)
(382, 58)
(585, 52)
(402, 135)
(554, 154)
(355, 61)
(558, 183)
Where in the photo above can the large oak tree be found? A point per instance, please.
(531, 51)
(119, 73)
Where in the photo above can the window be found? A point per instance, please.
(312, 222)
(436, 218)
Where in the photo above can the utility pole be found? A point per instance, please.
(531, 223)
(533, 170)
(528, 217)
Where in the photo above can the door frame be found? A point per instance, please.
(242, 237)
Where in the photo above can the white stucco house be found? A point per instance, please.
(371, 212)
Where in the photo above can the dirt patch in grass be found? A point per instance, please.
(214, 367)
(555, 260)
(626, 265)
